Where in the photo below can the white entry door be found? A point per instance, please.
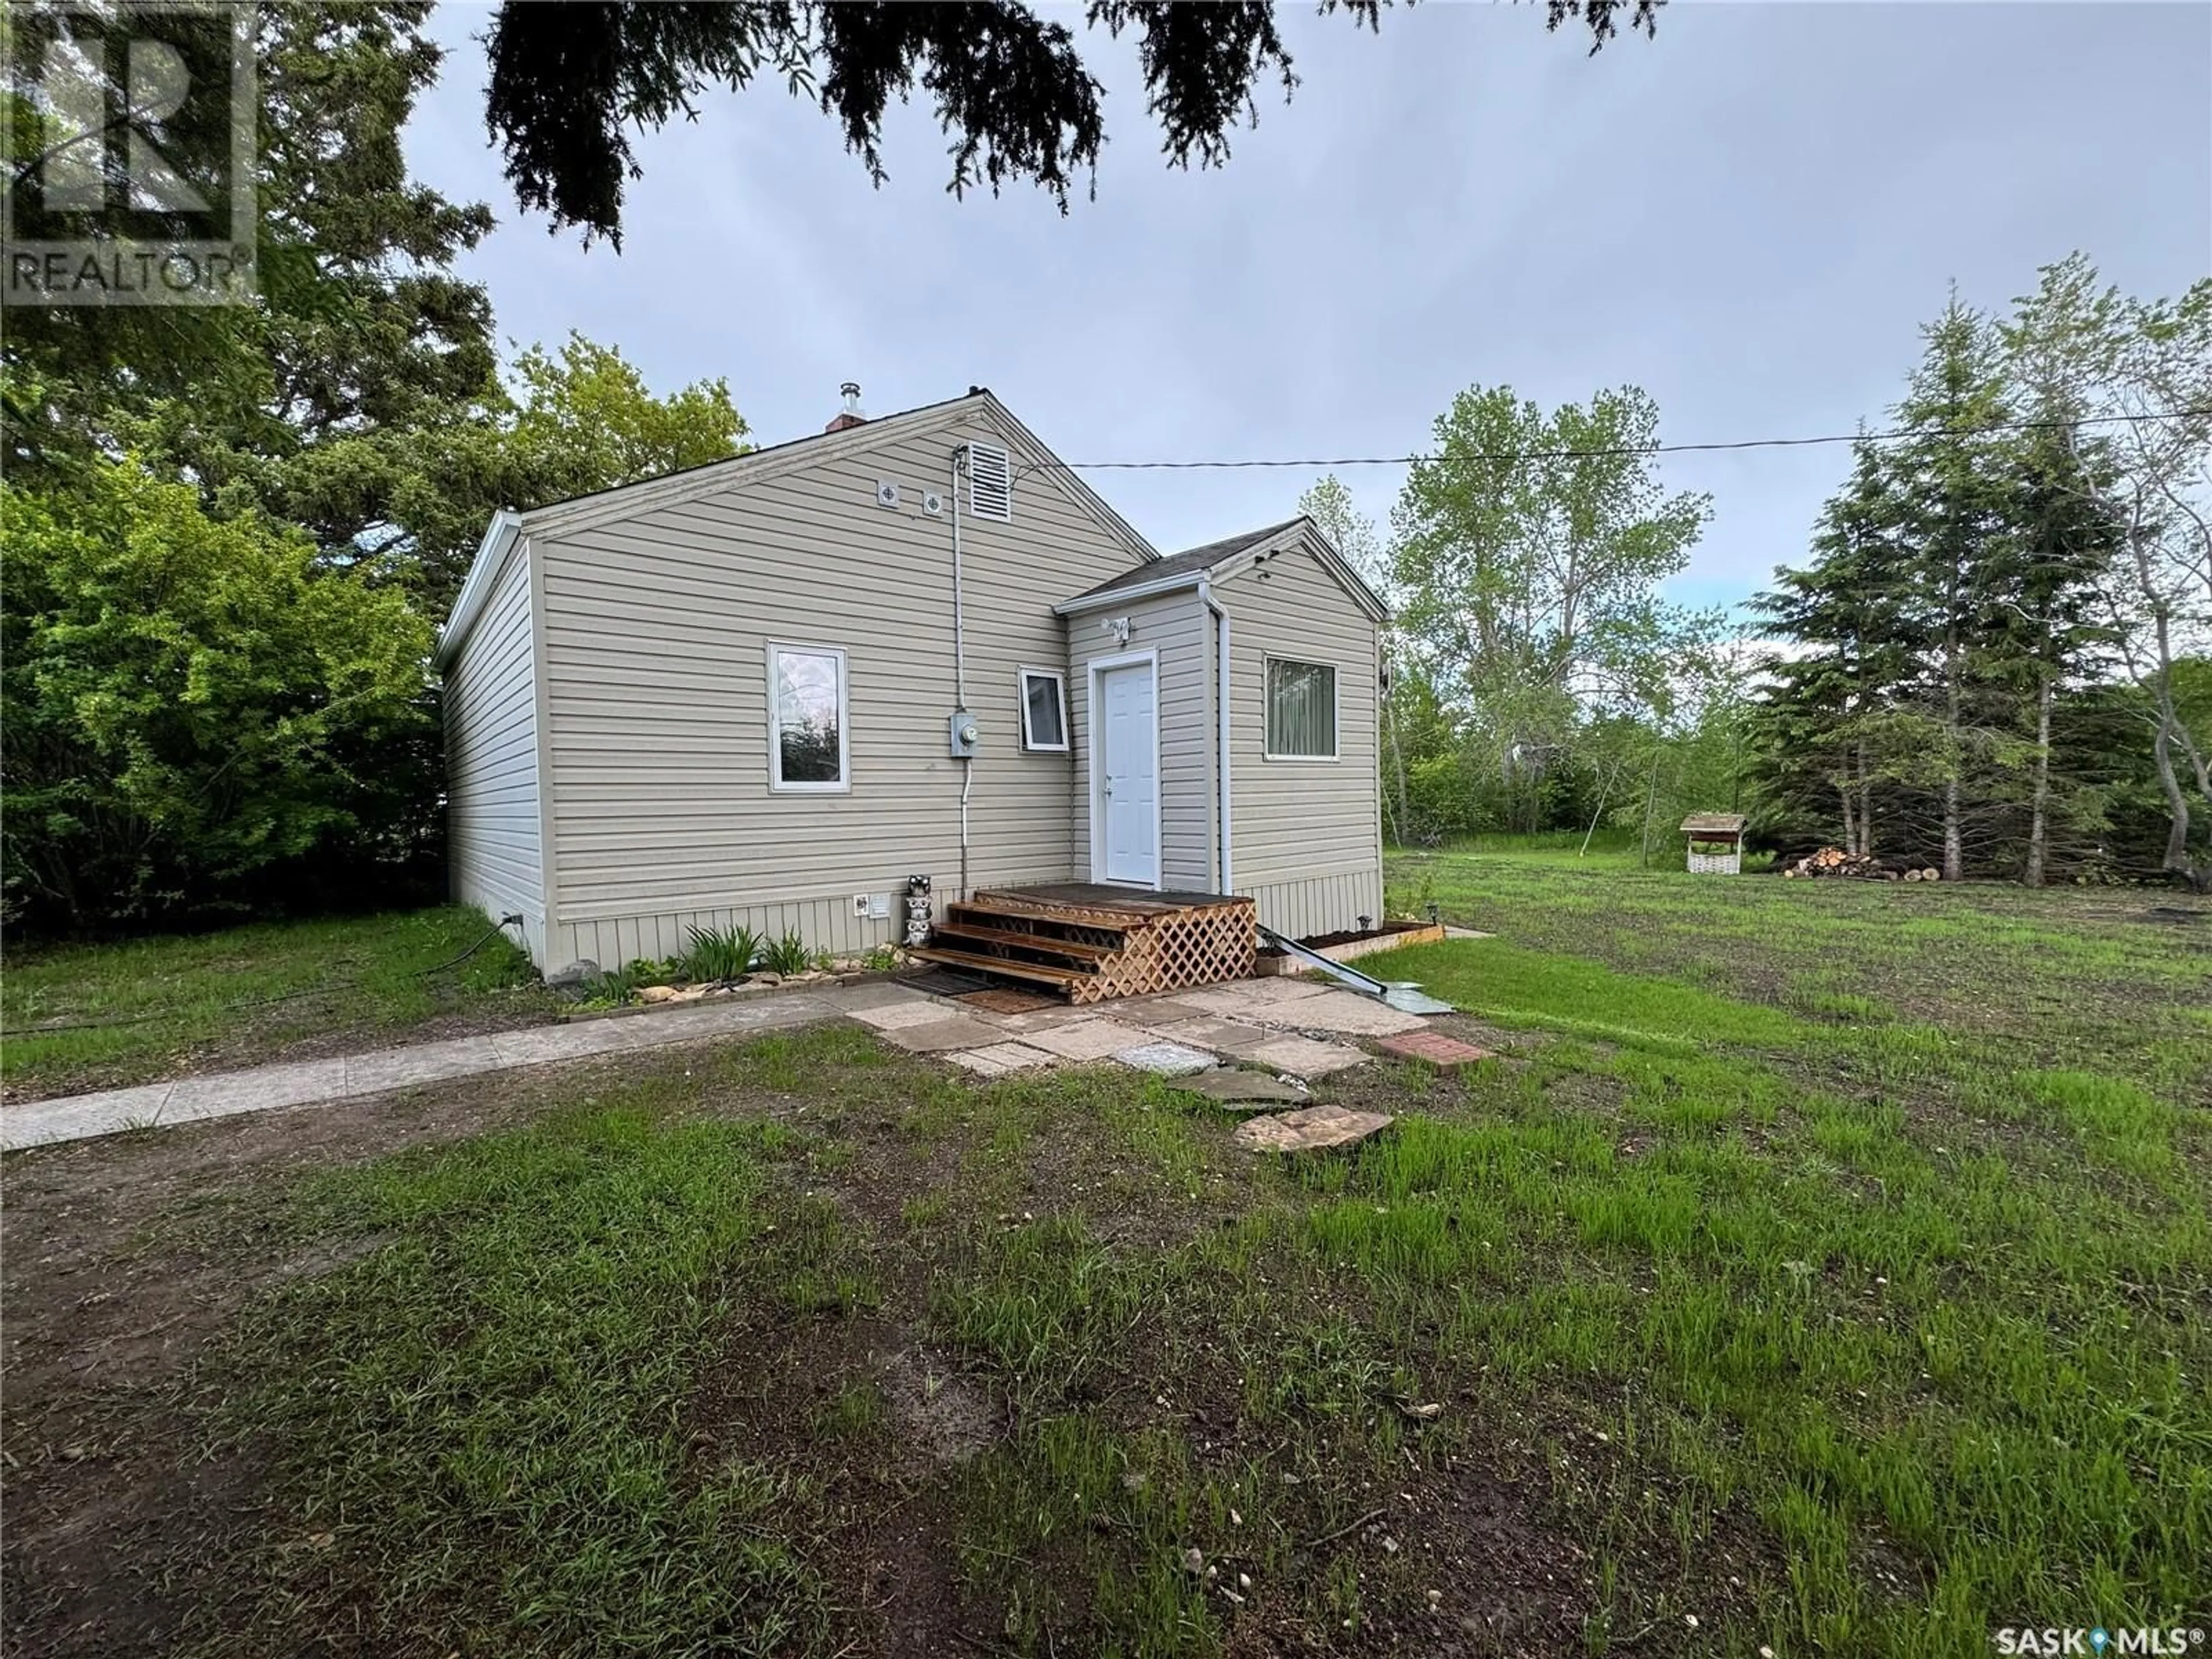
(1125, 776)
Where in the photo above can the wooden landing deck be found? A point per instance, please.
(1090, 941)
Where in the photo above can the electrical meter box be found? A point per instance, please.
(960, 728)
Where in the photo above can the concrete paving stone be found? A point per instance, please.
(1085, 1039)
(1251, 999)
(1350, 1014)
(265, 1088)
(1303, 1057)
(1281, 988)
(428, 1062)
(42, 1122)
(1037, 1019)
(543, 1045)
(1223, 1036)
(1220, 1001)
(1446, 1052)
(717, 1019)
(878, 994)
(893, 1016)
(1155, 1010)
(955, 1031)
(1312, 1128)
(1165, 1058)
(1000, 1058)
(1451, 931)
(1240, 1086)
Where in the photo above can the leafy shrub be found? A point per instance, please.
(193, 705)
(720, 953)
(880, 960)
(652, 971)
(787, 955)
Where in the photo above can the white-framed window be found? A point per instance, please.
(1044, 711)
(1301, 710)
(808, 745)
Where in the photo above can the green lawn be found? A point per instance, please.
(1825, 1270)
(154, 1008)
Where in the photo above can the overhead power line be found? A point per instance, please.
(1518, 455)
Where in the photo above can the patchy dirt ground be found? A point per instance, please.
(123, 1258)
(1046, 1367)
(127, 1259)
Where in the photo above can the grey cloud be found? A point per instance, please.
(1749, 217)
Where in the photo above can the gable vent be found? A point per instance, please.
(990, 483)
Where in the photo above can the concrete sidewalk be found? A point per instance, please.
(1290, 1026)
(327, 1082)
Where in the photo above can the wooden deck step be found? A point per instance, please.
(1043, 972)
(1093, 942)
(989, 907)
(1041, 943)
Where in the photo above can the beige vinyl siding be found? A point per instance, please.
(492, 815)
(826, 924)
(1319, 904)
(1176, 625)
(655, 631)
(1306, 835)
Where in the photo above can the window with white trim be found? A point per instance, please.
(1301, 710)
(807, 735)
(1044, 711)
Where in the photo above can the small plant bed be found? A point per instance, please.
(722, 962)
(1351, 945)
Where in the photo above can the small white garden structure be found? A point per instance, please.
(1721, 836)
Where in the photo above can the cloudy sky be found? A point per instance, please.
(1748, 216)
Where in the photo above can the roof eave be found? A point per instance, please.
(1305, 530)
(1146, 590)
(500, 539)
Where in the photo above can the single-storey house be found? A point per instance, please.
(769, 690)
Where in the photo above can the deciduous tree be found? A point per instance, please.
(2088, 351)
(1529, 551)
(186, 701)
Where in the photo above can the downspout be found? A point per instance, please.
(1221, 740)
(960, 659)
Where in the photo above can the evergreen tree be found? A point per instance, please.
(2046, 631)
(1952, 522)
(359, 322)
(1947, 612)
(1828, 729)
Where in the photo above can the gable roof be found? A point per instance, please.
(1217, 558)
(508, 527)
(1191, 562)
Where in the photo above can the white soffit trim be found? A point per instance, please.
(500, 538)
(1302, 535)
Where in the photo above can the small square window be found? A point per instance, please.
(1044, 711)
(1301, 710)
(806, 748)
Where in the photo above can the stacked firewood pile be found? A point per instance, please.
(1859, 866)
